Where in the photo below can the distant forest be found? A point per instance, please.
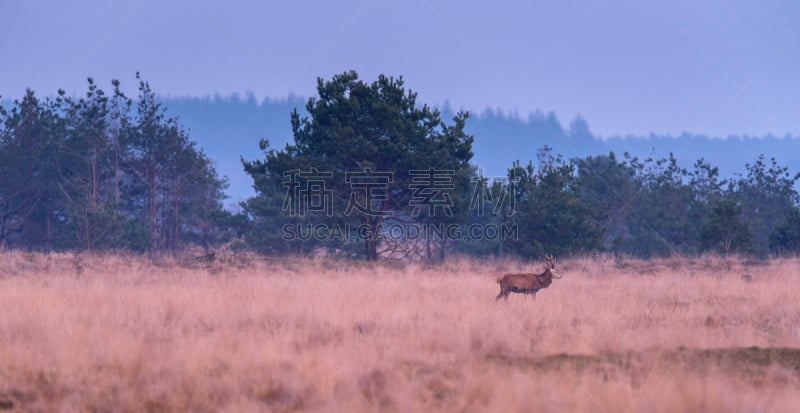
(370, 173)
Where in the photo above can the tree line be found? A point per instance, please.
(655, 208)
(605, 203)
(370, 173)
(103, 172)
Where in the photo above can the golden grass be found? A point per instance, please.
(115, 333)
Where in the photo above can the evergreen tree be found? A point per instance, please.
(785, 238)
(30, 175)
(361, 144)
(767, 195)
(725, 230)
(549, 213)
(82, 174)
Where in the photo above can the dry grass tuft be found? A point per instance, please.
(118, 333)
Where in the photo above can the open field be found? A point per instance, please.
(120, 334)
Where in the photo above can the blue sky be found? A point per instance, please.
(628, 66)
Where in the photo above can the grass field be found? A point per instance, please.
(119, 334)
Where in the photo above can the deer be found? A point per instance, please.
(527, 283)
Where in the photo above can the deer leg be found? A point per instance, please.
(503, 294)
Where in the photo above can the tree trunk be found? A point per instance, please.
(116, 177)
(95, 179)
(371, 242)
(428, 253)
(176, 220)
(372, 250)
(153, 210)
(49, 231)
(87, 232)
(3, 219)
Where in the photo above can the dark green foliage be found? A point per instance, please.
(785, 239)
(724, 230)
(266, 217)
(487, 209)
(608, 188)
(102, 171)
(83, 174)
(655, 208)
(357, 127)
(662, 212)
(767, 195)
(31, 149)
(645, 208)
(549, 212)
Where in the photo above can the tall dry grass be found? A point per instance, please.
(117, 333)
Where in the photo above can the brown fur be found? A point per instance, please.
(527, 283)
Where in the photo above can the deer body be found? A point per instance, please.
(527, 283)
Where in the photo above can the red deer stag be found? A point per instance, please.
(528, 283)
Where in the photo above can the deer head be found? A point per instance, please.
(551, 265)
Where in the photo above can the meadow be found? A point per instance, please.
(116, 333)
